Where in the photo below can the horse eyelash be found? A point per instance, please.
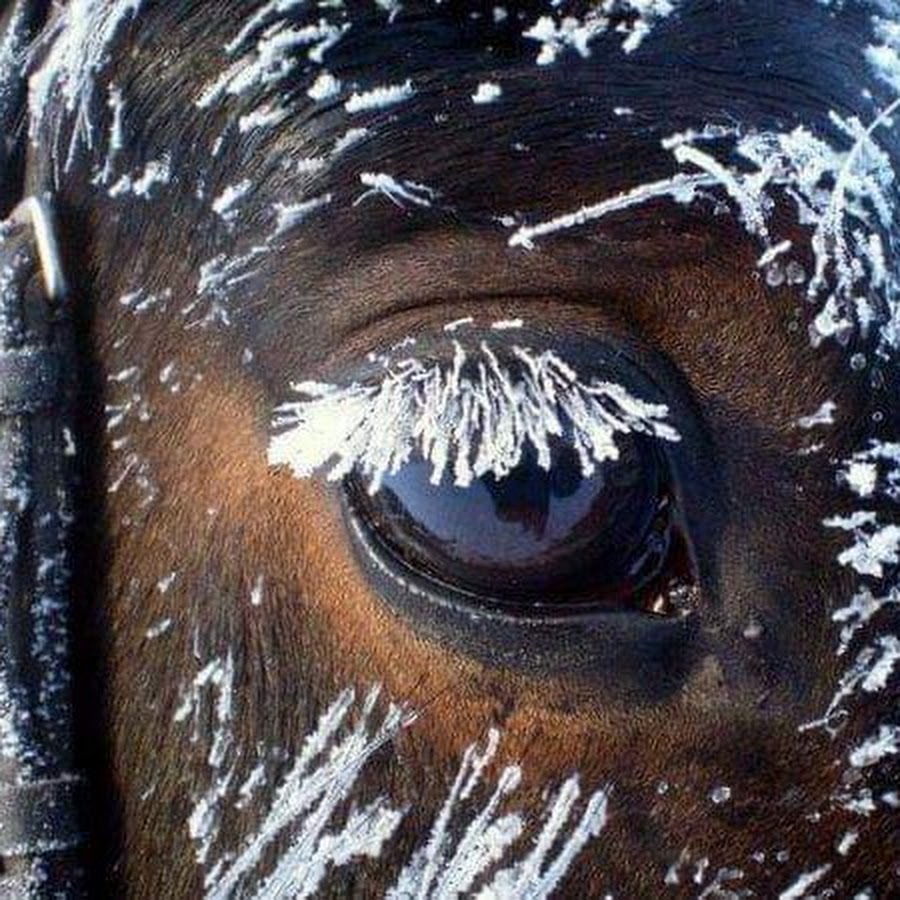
(474, 416)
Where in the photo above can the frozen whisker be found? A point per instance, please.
(680, 188)
(397, 191)
(469, 417)
(842, 192)
(452, 861)
(116, 104)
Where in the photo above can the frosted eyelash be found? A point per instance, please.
(474, 416)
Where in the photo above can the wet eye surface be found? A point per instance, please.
(550, 540)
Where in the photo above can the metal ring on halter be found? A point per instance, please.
(35, 212)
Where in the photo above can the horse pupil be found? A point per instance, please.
(550, 537)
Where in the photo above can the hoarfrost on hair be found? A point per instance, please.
(870, 672)
(884, 57)
(824, 415)
(636, 21)
(487, 92)
(803, 883)
(885, 742)
(448, 867)
(471, 416)
(397, 191)
(843, 192)
(876, 545)
(325, 87)
(680, 188)
(80, 38)
(225, 205)
(862, 607)
(156, 172)
(380, 97)
(307, 801)
(271, 60)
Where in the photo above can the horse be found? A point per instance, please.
(485, 437)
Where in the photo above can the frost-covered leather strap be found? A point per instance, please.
(39, 824)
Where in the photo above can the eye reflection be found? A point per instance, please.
(549, 538)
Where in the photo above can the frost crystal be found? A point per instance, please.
(79, 45)
(846, 197)
(448, 868)
(271, 59)
(474, 416)
(397, 191)
(379, 97)
(308, 801)
(633, 18)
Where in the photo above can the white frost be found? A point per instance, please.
(824, 415)
(487, 92)
(325, 87)
(472, 416)
(397, 191)
(799, 888)
(885, 742)
(379, 97)
(80, 38)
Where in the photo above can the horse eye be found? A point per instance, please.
(538, 541)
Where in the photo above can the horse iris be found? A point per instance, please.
(550, 538)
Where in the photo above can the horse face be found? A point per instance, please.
(589, 314)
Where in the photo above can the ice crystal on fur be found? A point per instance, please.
(633, 18)
(271, 59)
(447, 867)
(843, 192)
(79, 42)
(399, 192)
(307, 807)
(473, 416)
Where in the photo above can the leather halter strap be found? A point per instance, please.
(39, 790)
(40, 794)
